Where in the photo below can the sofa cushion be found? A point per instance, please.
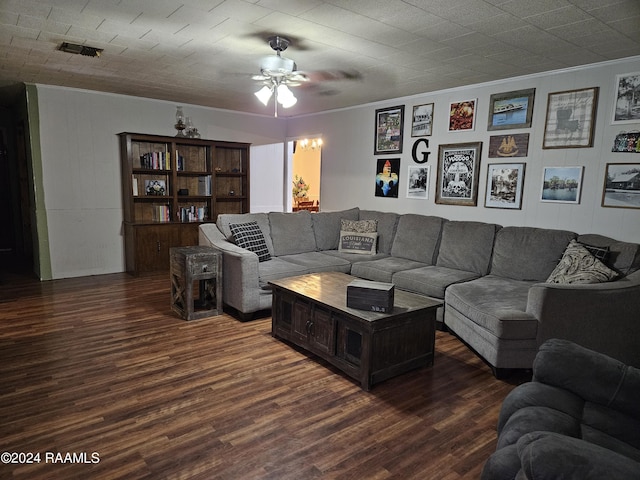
(467, 246)
(292, 233)
(387, 223)
(277, 268)
(496, 304)
(382, 270)
(417, 238)
(527, 253)
(319, 262)
(226, 219)
(623, 257)
(249, 236)
(579, 266)
(326, 227)
(431, 281)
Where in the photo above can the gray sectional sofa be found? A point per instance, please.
(492, 279)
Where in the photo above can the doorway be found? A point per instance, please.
(305, 164)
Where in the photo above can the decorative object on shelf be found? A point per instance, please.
(627, 142)
(511, 109)
(422, 123)
(388, 130)
(387, 178)
(462, 115)
(621, 185)
(571, 118)
(458, 170)
(626, 108)
(155, 187)
(300, 189)
(180, 125)
(504, 185)
(561, 184)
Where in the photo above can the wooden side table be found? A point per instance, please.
(196, 264)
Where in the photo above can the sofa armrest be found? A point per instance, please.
(239, 267)
(603, 317)
(545, 455)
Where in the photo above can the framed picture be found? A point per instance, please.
(511, 109)
(389, 128)
(504, 185)
(621, 185)
(506, 146)
(418, 182)
(155, 187)
(458, 169)
(571, 117)
(561, 184)
(462, 115)
(387, 177)
(422, 123)
(627, 98)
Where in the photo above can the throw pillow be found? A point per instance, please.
(601, 253)
(579, 266)
(360, 226)
(249, 236)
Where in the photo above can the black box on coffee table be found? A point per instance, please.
(371, 296)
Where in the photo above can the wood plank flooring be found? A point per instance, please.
(101, 364)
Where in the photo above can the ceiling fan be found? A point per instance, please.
(278, 73)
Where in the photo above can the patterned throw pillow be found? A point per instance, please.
(360, 226)
(248, 235)
(601, 253)
(358, 236)
(579, 266)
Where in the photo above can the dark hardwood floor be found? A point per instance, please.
(101, 364)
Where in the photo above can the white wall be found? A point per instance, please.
(81, 166)
(348, 162)
(267, 178)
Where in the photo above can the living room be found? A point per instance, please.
(79, 261)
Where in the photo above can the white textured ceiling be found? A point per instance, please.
(204, 52)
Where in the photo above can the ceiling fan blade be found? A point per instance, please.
(332, 75)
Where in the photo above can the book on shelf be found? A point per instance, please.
(134, 185)
(161, 213)
(204, 185)
(192, 213)
(179, 162)
(156, 161)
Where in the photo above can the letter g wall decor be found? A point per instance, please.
(414, 151)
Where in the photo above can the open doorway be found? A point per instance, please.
(305, 162)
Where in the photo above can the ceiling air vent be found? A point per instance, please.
(80, 49)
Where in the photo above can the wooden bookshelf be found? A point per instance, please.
(170, 185)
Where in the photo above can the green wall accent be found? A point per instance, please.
(41, 252)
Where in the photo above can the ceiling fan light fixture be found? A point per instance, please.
(285, 97)
(264, 94)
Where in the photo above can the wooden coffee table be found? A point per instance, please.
(311, 311)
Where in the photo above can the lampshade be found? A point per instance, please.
(285, 96)
(264, 94)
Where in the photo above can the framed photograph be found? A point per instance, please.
(511, 109)
(422, 123)
(621, 185)
(418, 182)
(155, 187)
(462, 115)
(571, 118)
(506, 146)
(561, 184)
(387, 177)
(627, 98)
(458, 169)
(389, 128)
(504, 185)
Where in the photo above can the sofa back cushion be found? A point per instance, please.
(387, 223)
(528, 253)
(326, 227)
(224, 220)
(467, 246)
(417, 238)
(292, 233)
(623, 257)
